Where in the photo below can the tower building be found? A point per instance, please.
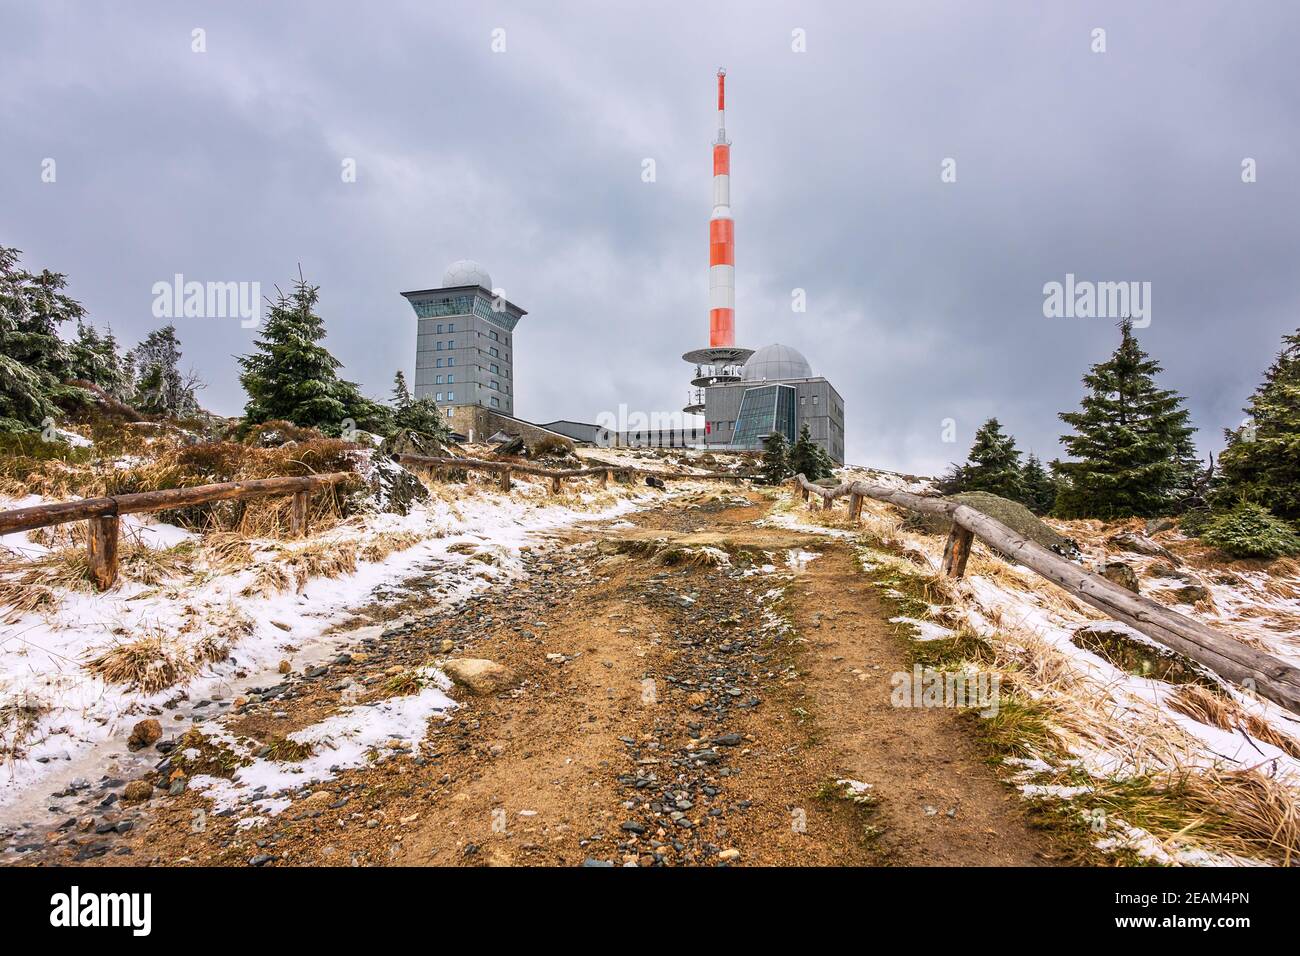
(464, 341)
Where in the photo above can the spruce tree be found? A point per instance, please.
(1262, 460)
(401, 394)
(1039, 489)
(804, 459)
(993, 465)
(34, 361)
(1132, 441)
(162, 389)
(776, 459)
(119, 377)
(292, 377)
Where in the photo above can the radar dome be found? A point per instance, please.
(774, 363)
(466, 272)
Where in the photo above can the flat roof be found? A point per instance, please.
(451, 289)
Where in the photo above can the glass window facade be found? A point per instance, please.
(764, 410)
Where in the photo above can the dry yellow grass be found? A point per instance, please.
(147, 664)
(1219, 710)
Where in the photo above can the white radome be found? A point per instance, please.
(774, 363)
(466, 272)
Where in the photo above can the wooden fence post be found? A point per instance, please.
(956, 551)
(827, 503)
(505, 479)
(101, 550)
(298, 514)
(855, 506)
(804, 492)
(555, 485)
(604, 478)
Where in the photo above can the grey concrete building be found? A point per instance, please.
(777, 391)
(687, 437)
(464, 345)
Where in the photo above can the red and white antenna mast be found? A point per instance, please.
(722, 236)
(722, 361)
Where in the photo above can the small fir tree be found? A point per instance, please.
(804, 459)
(1262, 460)
(1132, 445)
(1039, 488)
(292, 377)
(992, 466)
(776, 459)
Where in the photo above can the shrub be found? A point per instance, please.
(1250, 531)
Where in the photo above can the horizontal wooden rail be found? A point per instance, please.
(1268, 675)
(506, 468)
(103, 513)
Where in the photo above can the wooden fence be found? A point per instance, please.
(102, 514)
(437, 467)
(1270, 676)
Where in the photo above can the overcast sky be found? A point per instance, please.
(924, 297)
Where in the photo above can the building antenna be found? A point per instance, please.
(721, 362)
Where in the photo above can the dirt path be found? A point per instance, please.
(661, 709)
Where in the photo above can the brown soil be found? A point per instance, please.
(749, 723)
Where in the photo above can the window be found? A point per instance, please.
(437, 380)
(451, 363)
(438, 364)
(494, 353)
(803, 399)
(451, 396)
(451, 343)
(763, 410)
(451, 326)
(493, 336)
(440, 328)
(495, 370)
(451, 379)
(815, 397)
(495, 387)
(496, 403)
(438, 398)
(439, 345)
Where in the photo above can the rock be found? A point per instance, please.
(1191, 594)
(1122, 574)
(1011, 513)
(137, 791)
(477, 675)
(285, 667)
(143, 734)
(654, 482)
(1156, 525)
(319, 797)
(1140, 544)
(390, 487)
(729, 854)
(447, 645)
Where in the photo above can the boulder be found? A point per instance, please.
(477, 675)
(137, 791)
(1191, 594)
(654, 482)
(1156, 525)
(1011, 513)
(407, 441)
(1122, 574)
(143, 734)
(1141, 544)
(389, 488)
